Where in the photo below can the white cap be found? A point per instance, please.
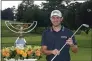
(56, 12)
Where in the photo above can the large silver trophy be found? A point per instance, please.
(19, 28)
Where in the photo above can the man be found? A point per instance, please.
(20, 42)
(55, 37)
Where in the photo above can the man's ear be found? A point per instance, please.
(61, 18)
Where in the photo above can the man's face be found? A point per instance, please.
(56, 20)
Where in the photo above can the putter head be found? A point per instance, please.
(85, 25)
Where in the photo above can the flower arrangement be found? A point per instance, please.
(28, 52)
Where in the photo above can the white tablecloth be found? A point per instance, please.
(20, 60)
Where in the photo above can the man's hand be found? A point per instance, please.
(73, 47)
(49, 52)
(55, 51)
(70, 42)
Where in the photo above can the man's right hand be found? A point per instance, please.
(55, 51)
(49, 52)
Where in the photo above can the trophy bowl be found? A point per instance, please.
(21, 27)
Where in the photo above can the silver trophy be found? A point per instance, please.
(20, 28)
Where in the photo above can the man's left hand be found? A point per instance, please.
(69, 42)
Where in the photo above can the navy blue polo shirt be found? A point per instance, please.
(55, 40)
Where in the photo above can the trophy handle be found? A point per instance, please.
(10, 28)
(22, 23)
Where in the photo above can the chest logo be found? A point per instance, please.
(64, 37)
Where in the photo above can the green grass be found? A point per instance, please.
(84, 54)
(83, 40)
(31, 40)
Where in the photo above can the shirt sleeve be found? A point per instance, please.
(43, 41)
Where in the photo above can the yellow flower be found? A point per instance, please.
(18, 51)
(7, 49)
(26, 50)
(29, 52)
(24, 54)
(4, 54)
(7, 54)
(38, 52)
(21, 52)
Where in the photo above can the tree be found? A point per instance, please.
(52, 5)
(70, 15)
(31, 13)
(85, 13)
(22, 8)
(7, 14)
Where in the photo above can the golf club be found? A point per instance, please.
(85, 25)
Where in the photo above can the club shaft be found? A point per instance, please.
(65, 43)
(59, 51)
(76, 31)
